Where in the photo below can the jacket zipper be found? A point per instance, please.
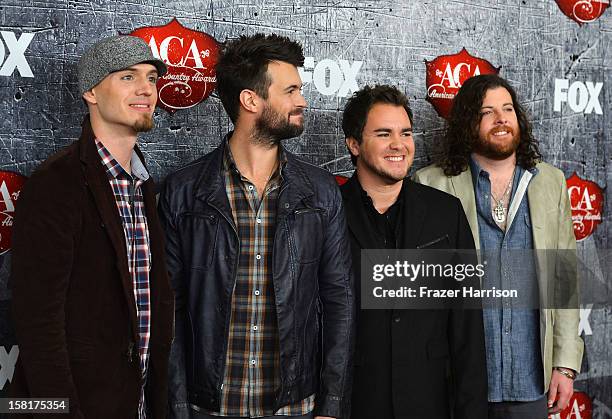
(220, 386)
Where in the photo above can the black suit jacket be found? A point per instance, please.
(411, 378)
(73, 300)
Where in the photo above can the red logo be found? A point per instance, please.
(587, 200)
(10, 187)
(579, 407)
(447, 73)
(191, 57)
(341, 180)
(583, 11)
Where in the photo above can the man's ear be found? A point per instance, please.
(352, 145)
(249, 101)
(90, 97)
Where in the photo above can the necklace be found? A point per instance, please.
(499, 210)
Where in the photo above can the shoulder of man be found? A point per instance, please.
(59, 172)
(431, 195)
(431, 173)
(548, 172)
(435, 177)
(319, 179)
(188, 175)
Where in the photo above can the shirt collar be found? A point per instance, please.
(369, 203)
(115, 170)
(477, 170)
(230, 164)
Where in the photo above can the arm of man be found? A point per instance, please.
(44, 238)
(337, 296)
(177, 378)
(467, 345)
(567, 344)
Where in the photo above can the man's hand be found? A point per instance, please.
(560, 386)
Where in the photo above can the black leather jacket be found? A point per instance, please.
(312, 283)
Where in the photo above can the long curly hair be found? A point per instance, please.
(453, 152)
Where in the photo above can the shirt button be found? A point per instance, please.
(287, 205)
(258, 257)
(255, 328)
(396, 319)
(252, 362)
(250, 187)
(257, 292)
(258, 221)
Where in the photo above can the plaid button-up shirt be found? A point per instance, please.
(127, 190)
(252, 371)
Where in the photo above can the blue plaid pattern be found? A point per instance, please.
(252, 370)
(127, 190)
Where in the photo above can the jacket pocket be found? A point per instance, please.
(199, 231)
(442, 242)
(306, 234)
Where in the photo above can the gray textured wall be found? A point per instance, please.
(532, 41)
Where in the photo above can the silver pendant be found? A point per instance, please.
(499, 213)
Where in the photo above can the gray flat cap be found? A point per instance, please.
(114, 54)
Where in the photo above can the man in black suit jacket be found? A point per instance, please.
(402, 357)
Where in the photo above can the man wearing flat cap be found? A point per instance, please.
(92, 303)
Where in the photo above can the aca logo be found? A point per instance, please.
(579, 407)
(10, 187)
(583, 11)
(447, 73)
(331, 77)
(586, 200)
(341, 180)
(12, 56)
(191, 57)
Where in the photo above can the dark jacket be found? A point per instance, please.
(410, 379)
(311, 276)
(73, 301)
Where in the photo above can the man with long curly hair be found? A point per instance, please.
(491, 162)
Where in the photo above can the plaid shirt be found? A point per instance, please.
(127, 190)
(252, 370)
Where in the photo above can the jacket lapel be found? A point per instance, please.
(211, 186)
(356, 216)
(292, 193)
(413, 215)
(538, 198)
(96, 179)
(463, 188)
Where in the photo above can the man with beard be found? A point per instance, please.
(402, 356)
(490, 161)
(92, 304)
(259, 257)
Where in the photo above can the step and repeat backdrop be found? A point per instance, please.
(557, 54)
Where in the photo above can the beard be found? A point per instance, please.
(387, 176)
(272, 127)
(496, 150)
(144, 124)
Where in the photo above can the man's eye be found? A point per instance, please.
(153, 80)
(407, 134)
(127, 77)
(383, 134)
(483, 113)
